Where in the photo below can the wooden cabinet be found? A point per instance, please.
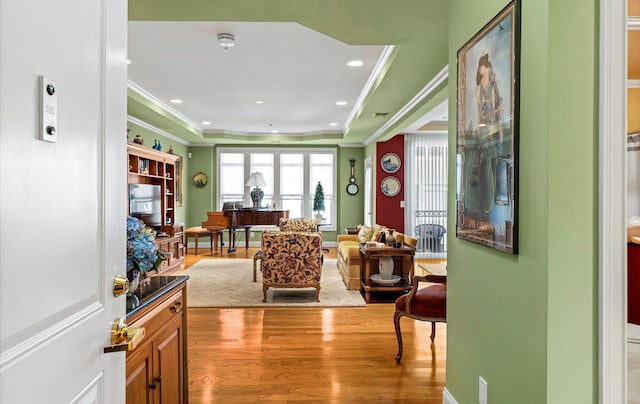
(175, 247)
(149, 166)
(157, 368)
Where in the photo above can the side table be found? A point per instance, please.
(369, 259)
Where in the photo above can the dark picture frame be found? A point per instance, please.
(178, 190)
(487, 133)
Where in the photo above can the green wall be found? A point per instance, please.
(528, 323)
(350, 207)
(178, 149)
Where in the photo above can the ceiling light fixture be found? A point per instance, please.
(259, 102)
(226, 41)
(341, 103)
(176, 101)
(333, 124)
(355, 63)
(206, 123)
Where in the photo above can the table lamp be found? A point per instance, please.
(256, 180)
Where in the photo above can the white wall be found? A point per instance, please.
(633, 183)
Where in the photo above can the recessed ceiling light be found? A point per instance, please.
(274, 131)
(333, 124)
(259, 102)
(341, 103)
(206, 123)
(128, 62)
(176, 101)
(355, 63)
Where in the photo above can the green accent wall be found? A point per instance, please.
(178, 149)
(350, 207)
(528, 323)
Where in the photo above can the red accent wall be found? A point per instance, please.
(633, 283)
(388, 210)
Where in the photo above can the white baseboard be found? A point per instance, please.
(447, 398)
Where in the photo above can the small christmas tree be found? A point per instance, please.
(318, 199)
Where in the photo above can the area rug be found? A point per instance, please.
(229, 283)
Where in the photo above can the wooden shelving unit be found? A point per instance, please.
(149, 166)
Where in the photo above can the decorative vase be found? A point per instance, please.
(134, 282)
(138, 139)
(391, 239)
(385, 267)
(256, 197)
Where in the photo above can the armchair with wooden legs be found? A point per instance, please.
(424, 304)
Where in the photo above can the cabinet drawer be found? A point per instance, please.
(161, 315)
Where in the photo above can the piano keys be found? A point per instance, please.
(243, 218)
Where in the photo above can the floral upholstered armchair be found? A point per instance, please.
(287, 224)
(291, 259)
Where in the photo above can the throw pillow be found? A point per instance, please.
(365, 234)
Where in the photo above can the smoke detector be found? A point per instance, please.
(226, 41)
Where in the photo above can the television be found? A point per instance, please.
(145, 204)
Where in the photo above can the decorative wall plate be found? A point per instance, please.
(200, 180)
(390, 163)
(390, 186)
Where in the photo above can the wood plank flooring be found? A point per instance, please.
(310, 354)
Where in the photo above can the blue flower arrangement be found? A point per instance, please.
(142, 250)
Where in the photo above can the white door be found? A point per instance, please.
(62, 204)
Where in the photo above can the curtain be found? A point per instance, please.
(426, 190)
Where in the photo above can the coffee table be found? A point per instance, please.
(369, 261)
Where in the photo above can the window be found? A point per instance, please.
(291, 176)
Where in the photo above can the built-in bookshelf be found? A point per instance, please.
(149, 166)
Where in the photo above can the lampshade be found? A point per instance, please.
(256, 179)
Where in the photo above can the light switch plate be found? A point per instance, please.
(48, 106)
(482, 390)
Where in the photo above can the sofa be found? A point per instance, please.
(348, 251)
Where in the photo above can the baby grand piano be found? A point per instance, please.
(242, 218)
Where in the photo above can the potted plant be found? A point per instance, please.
(318, 202)
(142, 251)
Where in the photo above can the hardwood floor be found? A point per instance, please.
(310, 354)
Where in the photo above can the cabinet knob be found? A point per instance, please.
(152, 386)
(176, 307)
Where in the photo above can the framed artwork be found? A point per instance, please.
(179, 182)
(200, 180)
(487, 133)
(390, 163)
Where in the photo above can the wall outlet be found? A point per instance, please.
(482, 390)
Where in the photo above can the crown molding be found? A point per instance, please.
(157, 130)
(375, 77)
(153, 99)
(440, 78)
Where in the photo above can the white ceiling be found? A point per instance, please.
(298, 73)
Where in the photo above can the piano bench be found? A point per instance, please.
(197, 232)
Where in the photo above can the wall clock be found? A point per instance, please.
(200, 180)
(352, 188)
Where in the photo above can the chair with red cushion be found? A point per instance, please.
(424, 304)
